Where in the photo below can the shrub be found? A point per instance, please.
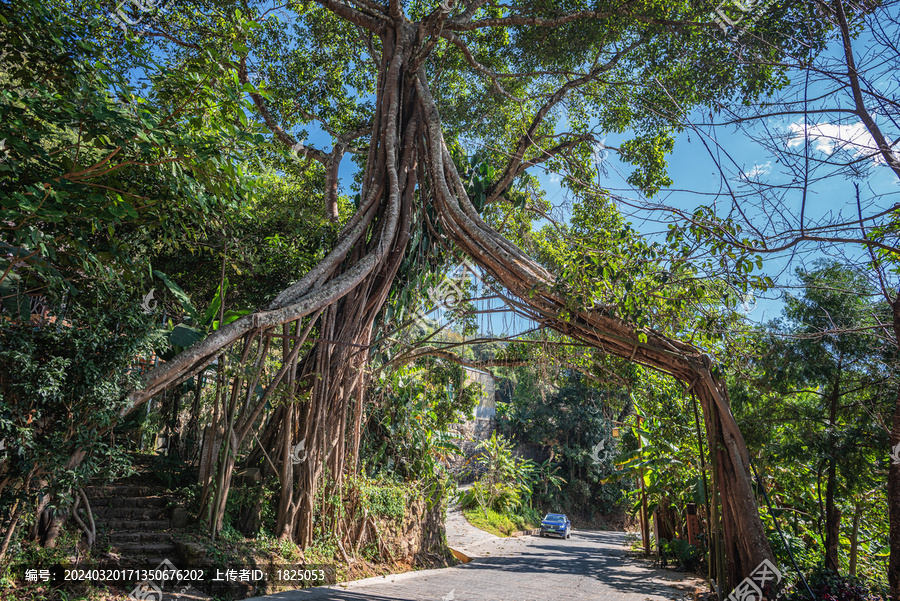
(688, 555)
(827, 585)
(489, 520)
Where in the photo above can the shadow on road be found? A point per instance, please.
(338, 595)
(591, 565)
(597, 555)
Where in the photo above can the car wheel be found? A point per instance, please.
(542, 533)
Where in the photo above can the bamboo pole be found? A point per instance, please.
(717, 551)
(645, 525)
(709, 515)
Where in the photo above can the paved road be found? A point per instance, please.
(589, 566)
(461, 535)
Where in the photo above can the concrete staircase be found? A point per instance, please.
(133, 521)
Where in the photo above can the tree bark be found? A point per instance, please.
(894, 481)
(337, 367)
(832, 522)
(854, 538)
(11, 529)
(189, 443)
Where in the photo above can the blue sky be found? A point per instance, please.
(697, 180)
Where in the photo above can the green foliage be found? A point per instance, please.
(500, 497)
(95, 168)
(688, 556)
(172, 471)
(198, 326)
(505, 485)
(385, 499)
(602, 263)
(249, 498)
(828, 586)
(569, 422)
(263, 244)
(649, 154)
(498, 523)
(62, 388)
(663, 450)
(100, 175)
(31, 555)
(411, 409)
(818, 398)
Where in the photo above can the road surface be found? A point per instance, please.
(591, 565)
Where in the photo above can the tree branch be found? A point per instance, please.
(861, 111)
(430, 351)
(527, 140)
(284, 137)
(375, 23)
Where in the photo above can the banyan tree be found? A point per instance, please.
(404, 89)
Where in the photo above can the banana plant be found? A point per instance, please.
(654, 461)
(196, 327)
(547, 475)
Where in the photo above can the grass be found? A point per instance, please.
(498, 524)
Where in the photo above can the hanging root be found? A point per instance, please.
(90, 529)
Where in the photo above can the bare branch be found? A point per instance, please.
(861, 111)
(430, 351)
(467, 54)
(528, 139)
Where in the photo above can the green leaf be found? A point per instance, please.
(231, 316)
(184, 336)
(13, 301)
(183, 299)
(213, 310)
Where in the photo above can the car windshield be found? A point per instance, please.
(555, 517)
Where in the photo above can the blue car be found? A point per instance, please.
(557, 524)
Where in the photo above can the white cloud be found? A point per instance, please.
(757, 171)
(831, 137)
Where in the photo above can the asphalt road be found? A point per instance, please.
(591, 565)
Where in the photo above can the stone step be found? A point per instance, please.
(131, 513)
(148, 550)
(122, 490)
(116, 538)
(157, 501)
(144, 562)
(113, 525)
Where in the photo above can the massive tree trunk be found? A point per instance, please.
(338, 363)
(353, 281)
